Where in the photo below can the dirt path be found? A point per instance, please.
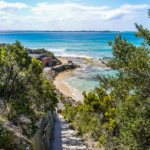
(64, 138)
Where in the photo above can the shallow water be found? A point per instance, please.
(85, 78)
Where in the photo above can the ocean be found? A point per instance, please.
(89, 45)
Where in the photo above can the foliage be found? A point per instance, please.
(130, 91)
(93, 117)
(62, 98)
(24, 90)
(7, 139)
(44, 52)
(120, 119)
(23, 87)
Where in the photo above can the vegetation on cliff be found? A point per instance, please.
(25, 94)
(45, 52)
(120, 119)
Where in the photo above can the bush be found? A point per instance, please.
(44, 52)
(120, 119)
(7, 139)
(23, 87)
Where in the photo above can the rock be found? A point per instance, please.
(26, 130)
(25, 120)
(19, 120)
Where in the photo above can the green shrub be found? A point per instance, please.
(7, 139)
(23, 87)
(120, 119)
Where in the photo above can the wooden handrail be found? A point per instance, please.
(44, 131)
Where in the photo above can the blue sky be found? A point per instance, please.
(117, 15)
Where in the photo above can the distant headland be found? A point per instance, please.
(40, 31)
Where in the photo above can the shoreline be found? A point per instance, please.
(52, 73)
(60, 85)
(58, 75)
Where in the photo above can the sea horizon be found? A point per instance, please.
(45, 31)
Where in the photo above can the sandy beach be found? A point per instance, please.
(69, 90)
(61, 85)
(63, 60)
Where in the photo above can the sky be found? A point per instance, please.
(98, 15)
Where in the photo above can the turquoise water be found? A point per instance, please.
(79, 80)
(90, 45)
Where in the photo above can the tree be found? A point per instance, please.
(131, 90)
(121, 118)
(23, 87)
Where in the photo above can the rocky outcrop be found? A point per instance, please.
(50, 74)
(69, 65)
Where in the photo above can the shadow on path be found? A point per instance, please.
(64, 138)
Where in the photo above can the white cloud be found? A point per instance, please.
(68, 7)
(12, 7)
(115, 14)
(4, 18)
(67, 15)
(134, 7)
(79, 12)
